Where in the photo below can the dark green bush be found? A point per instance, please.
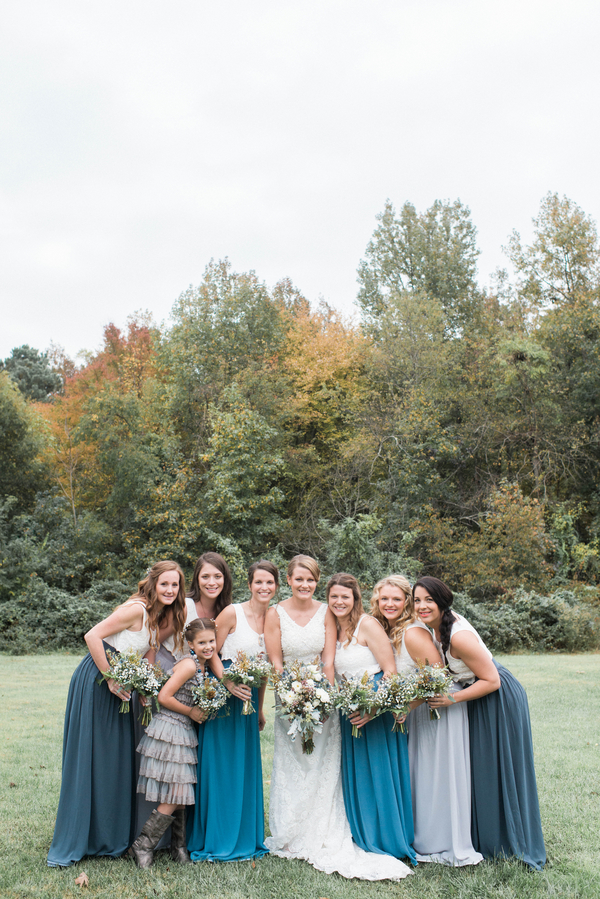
(562, 622)
(47, 619)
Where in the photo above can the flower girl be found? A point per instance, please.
(168, 750)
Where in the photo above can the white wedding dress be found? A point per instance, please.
(307, 816)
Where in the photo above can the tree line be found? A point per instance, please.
(451, 430)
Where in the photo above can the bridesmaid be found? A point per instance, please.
(209, 593)
(97, 798)
(375, 771)
(228, 823)
(505, 809)
(438, 751)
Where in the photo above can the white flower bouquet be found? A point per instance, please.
(210, 696)
(357, 695)
(306, 698)
(250, 671)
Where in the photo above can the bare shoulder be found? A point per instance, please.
(227, 619)
(371, 627)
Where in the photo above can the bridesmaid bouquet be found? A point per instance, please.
(306, 698)
(395, 695)
(210, 696)
(248, 670)
(430, 682)
(357, 695)
(131, 672)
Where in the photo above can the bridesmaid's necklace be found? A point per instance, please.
(261, 636)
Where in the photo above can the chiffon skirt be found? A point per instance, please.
(376, 785)
(505, 809)
(440, 775)
(97, 796)
(227, 822)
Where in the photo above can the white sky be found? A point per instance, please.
(140, 139)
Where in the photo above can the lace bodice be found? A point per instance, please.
(405, 664)
(137, 640)
(462, 673)
(243, 638)
(353, 659)
(302, 643)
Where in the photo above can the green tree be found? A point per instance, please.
(21, 440)
(31, 372)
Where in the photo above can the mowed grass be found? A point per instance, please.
(564, 697)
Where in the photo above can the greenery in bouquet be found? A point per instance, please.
(395, 695)
(306, 699)
(131, 672)
(250, 671)
(210, 696)
(433, 681)
(357, 695)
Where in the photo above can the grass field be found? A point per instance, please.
(564, 698)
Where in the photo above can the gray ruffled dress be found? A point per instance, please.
(169, 756)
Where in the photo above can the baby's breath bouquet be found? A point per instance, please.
(248, 670)
(306, 700)
(210, 696)
(357, 695)
(432, 681)
(131, 672)
(395, 695)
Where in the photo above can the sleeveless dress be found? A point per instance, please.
(96, 809)
(228, 818)
(168, 752)
(307, 813)
(505, 809)
(375, 770)
(440, 776)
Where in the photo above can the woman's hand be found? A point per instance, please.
(197, 714)
(399, 719)
(441, 701)
(123, 694)
(359, 720)
(242, 691)
(261, 720)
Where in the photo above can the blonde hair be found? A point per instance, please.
(305, 562)
(350, 583)
(407, 615)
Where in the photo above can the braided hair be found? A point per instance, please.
(442, 596)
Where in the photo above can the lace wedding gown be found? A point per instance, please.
(307, 814)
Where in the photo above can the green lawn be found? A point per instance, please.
(565, 706)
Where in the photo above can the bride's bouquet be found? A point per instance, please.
(248, 670)
(395, 695)
(131, 672)
(432, 681)
(209, 695)
(357, 695)
(307, 700)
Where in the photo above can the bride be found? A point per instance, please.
(307, 815)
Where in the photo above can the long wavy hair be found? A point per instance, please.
(350, 583)
(395, 629)
(158, 614)
(443, 597)
(224, 597)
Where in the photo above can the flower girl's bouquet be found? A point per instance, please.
(210, 696)
(131, 672)
(395, 695)
(357, 695)
(250, 671)
(432, 681)
(307, 700)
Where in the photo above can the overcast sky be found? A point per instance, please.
(140, 139)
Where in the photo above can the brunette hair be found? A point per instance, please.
(308, 562)
(224, 597)
(443, 597)
(395, 629)
(350, 583)
(198, 625)
(158, 614)
(263, 565)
